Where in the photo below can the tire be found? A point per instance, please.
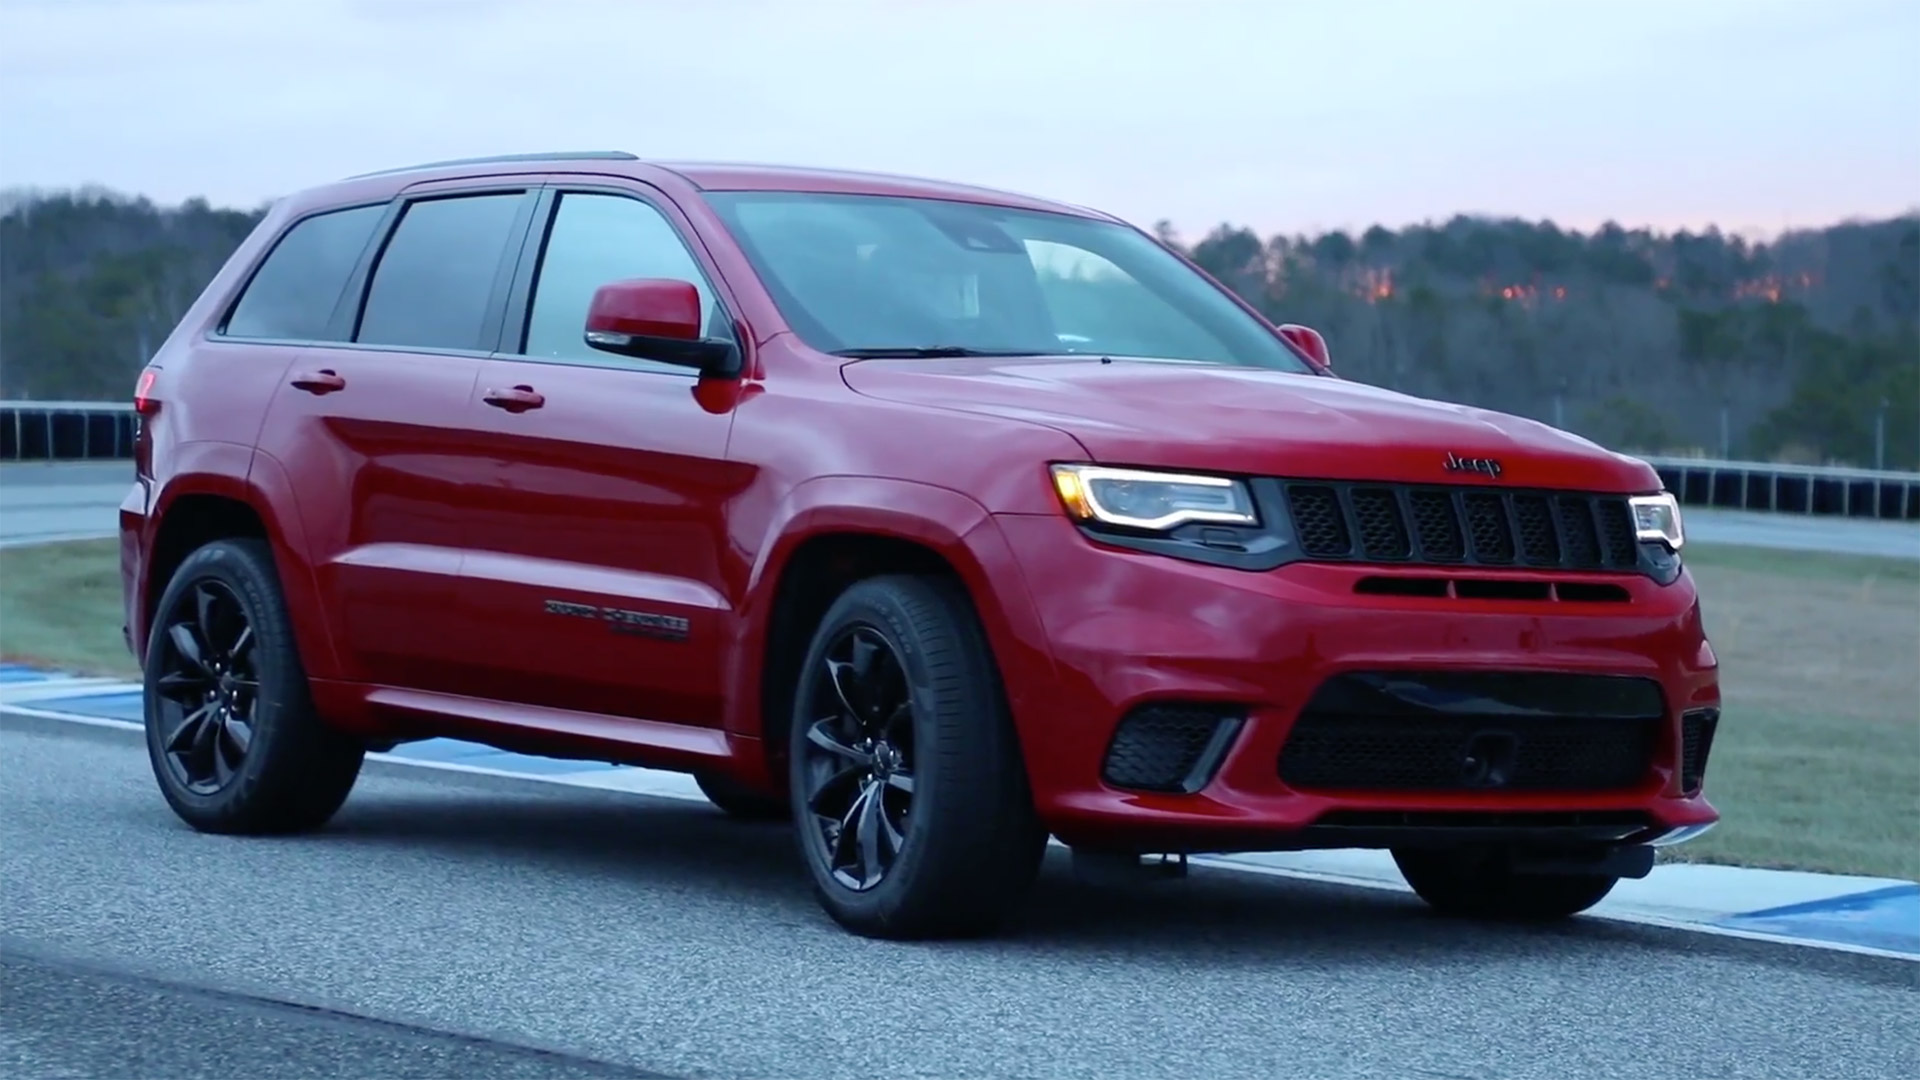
(740, 802)
(1482, 885)
(969, 843)
(280, 769)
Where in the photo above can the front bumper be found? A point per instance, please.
(1272, 654)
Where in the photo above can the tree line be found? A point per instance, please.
(1804, 348)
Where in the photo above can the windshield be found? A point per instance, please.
(868, 275)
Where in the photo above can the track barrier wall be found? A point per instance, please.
(99, 430)
(66, 430)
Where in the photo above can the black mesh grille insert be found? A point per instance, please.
(1510, 753)
(1462, 732)
(1437, 526)
(1170, 747)
(1487, 522)
(1383, 532)
(1317, 520)
(1696, 741)
(1616, 530)
(1453, 525)
(1578, 536)
(1539, 541)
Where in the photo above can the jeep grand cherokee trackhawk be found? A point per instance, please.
(938, 520)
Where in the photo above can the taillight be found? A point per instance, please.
(145, 405)
(144, 402)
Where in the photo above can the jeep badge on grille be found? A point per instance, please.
(1486, 465)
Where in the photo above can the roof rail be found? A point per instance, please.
(504, 159)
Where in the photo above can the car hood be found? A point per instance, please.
(1252, 421)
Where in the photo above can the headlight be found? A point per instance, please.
(1657, 517)
(1150, 501)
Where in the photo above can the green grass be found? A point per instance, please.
(1802, 566)
(60, 607)
(1817, 762)
(1817, 765)
(1809, 792)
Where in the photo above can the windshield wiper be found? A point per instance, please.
(917, 351)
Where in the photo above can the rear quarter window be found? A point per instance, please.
(293, 294)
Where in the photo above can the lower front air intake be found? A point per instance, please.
(1171, 747)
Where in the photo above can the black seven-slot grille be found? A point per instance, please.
(1448, 731)
(1462, 525)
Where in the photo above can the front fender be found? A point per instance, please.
(951, 524)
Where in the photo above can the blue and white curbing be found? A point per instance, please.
(1875, 916)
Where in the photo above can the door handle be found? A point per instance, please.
(517, 400)
(319, 382)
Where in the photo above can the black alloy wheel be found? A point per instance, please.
(859, 763)
(233, 736)
(207, 686)
(909, 792)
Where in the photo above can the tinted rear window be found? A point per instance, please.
(435, 280)
(293, 294)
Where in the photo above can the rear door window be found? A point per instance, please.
(435, 284)
(293, 294)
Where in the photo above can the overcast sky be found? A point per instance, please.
(1293, 115)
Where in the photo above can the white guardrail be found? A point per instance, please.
(102, 430)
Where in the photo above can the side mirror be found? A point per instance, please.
(1307, 340)
(657, 319)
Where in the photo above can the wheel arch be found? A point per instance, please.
(196, 508)
(835, 531)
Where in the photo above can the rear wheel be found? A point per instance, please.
(741, 802)
(1483, 885)
(909, 793)
(232, 734)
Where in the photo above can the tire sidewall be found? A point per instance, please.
(877, 610)
(227, 563)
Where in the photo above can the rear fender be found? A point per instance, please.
(280, 509)
(193, 468)
(236, 472)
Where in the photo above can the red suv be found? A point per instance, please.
(938, 520)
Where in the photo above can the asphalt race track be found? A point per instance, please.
(40, 503)
(450, 924)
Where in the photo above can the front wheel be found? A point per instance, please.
(1483, 885)
(232, 734)
(910, 796)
